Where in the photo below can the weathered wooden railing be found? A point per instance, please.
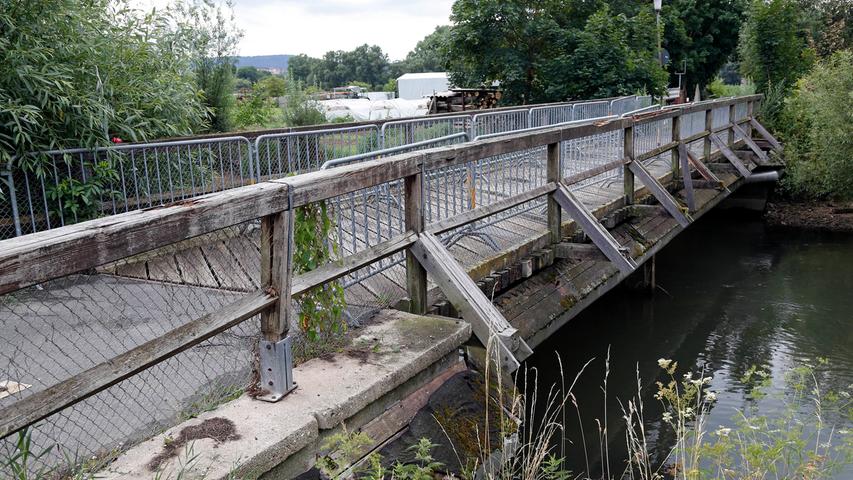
(40, 257)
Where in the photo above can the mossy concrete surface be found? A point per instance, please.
(330, 391)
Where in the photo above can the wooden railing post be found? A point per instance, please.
(709, 126)
(416, 275)
(731, 139)
(676, 137)
(750, 111)
(628, 151)
(554, 175)
(275, 354)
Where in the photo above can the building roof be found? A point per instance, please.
(422, 75)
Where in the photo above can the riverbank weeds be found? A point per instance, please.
(810, 438)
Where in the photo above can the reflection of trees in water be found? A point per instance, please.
(737, 296)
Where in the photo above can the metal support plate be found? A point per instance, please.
(752, 145)
(661, 194)
(276, 363)
(730, 156)
(594, 230)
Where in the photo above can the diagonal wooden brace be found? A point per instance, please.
(661, 194)
(594, 229)
(766, 135)
(752, 145)
(730, 156)
(704, 171)
(486, 321)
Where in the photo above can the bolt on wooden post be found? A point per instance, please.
(553, 175)
(416, 276)
(628, 151)
(275, 353)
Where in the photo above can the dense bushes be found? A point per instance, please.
(816, 124)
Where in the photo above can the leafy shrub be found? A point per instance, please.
(719, 89)
(256, 111)
(773, 45)
(817, 126)
(322, 307)
(81, 200)
(299, 109)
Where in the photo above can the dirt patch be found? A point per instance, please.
(826, 216)
(220, 430)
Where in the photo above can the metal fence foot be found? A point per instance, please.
(276, 362)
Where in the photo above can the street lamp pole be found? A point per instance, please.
(658, 5)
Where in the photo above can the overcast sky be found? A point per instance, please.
(317, 26)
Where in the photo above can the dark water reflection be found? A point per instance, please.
(736, 294)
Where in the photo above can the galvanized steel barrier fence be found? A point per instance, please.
(62, 187)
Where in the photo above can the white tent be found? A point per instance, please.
(413, 86)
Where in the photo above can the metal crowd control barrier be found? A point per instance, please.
(404, 132)
(78, 184)
(280, 154)
(158, 173)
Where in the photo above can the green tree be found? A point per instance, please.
(817, 127)
(79, 73)
(252, 74)
(271, 86)
(552, 50)
(830, 23)
(209, 34)
(304, 68)
(430, 54)
(613, 55)
(703, 35)
(774, 44)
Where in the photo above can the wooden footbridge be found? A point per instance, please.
(533, 242)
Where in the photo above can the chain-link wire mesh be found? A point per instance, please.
(58, 329)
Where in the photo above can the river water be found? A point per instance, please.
(733, 294)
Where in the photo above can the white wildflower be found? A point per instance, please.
(711, 396)
(667, 417)
(664, 363)
(723, 431)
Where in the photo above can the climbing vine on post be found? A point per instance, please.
(321, 308)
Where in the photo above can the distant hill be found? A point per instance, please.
(264, 61)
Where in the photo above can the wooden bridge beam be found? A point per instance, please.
(766, 135)
(751, 144)
(416, 276)
(488, 324)
(553, 175)
(594, 230)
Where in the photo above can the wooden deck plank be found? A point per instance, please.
(194, 268)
